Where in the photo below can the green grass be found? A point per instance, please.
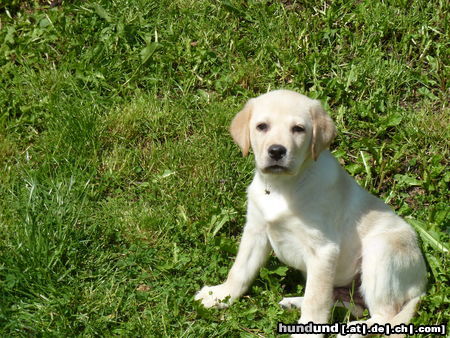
(121, 192)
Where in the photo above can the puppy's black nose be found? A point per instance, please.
(276, 151)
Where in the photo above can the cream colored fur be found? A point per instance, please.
(316, 218)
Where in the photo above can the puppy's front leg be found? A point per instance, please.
(318, 298)
(252, 254)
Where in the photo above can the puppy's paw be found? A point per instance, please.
(215, 296)
(291, 302)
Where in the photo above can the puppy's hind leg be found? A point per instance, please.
(393, 277)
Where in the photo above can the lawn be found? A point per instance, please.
(121, 191)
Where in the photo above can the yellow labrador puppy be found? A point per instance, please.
(316, 218)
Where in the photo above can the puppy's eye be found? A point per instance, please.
(298, 129)
(262, 126)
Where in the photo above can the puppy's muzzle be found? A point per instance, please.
(276, 152)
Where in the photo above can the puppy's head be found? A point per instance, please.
(284, 129)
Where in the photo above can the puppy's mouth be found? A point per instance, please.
(275, 169)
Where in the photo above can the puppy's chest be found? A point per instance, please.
(291, 238)
(275, 208)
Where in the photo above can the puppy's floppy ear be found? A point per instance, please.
(239, 128)
(324, 130)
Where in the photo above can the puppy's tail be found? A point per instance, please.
(406, 313)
